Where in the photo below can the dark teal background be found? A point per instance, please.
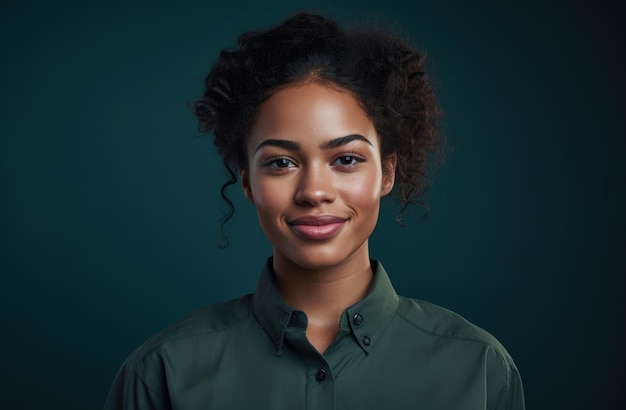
(110, 207)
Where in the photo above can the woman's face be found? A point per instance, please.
(315, 175)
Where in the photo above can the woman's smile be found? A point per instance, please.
(317, 227)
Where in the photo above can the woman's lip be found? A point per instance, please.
(318, 232)
(317, 220)
(317, 227)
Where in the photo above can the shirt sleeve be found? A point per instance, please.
(504, 379)
(130, 392)
(511, 396)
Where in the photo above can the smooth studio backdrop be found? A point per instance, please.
(110, 207)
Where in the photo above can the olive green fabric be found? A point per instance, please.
(252, 353)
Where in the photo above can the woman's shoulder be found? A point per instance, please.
(207, 321)
(440, 322)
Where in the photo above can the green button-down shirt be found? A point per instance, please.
(252, 353)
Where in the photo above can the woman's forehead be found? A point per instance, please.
(311, 109)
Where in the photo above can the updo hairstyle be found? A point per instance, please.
(381, 70)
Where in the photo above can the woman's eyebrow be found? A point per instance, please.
(295, 146)
(337, 142)
(285, 144)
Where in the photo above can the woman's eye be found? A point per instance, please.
(279, 163)
(348, 160)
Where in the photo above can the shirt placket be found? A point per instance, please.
(320, 382)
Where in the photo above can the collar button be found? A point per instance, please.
(357, 319)
(321, 375)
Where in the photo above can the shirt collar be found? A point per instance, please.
(366, 320)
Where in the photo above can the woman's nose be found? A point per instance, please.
(315, 186)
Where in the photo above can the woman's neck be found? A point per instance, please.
(323, 294)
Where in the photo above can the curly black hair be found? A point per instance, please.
(384, 72)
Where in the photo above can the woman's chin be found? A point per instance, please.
(321, 258)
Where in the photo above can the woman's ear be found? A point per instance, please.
(245, 184)
(389, 173)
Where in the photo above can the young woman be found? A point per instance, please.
(319, 124)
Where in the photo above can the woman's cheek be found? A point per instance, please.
(270, 195)
(363, 190)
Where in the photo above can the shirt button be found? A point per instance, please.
(321, 375)
(366, 341)
(357, 319)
